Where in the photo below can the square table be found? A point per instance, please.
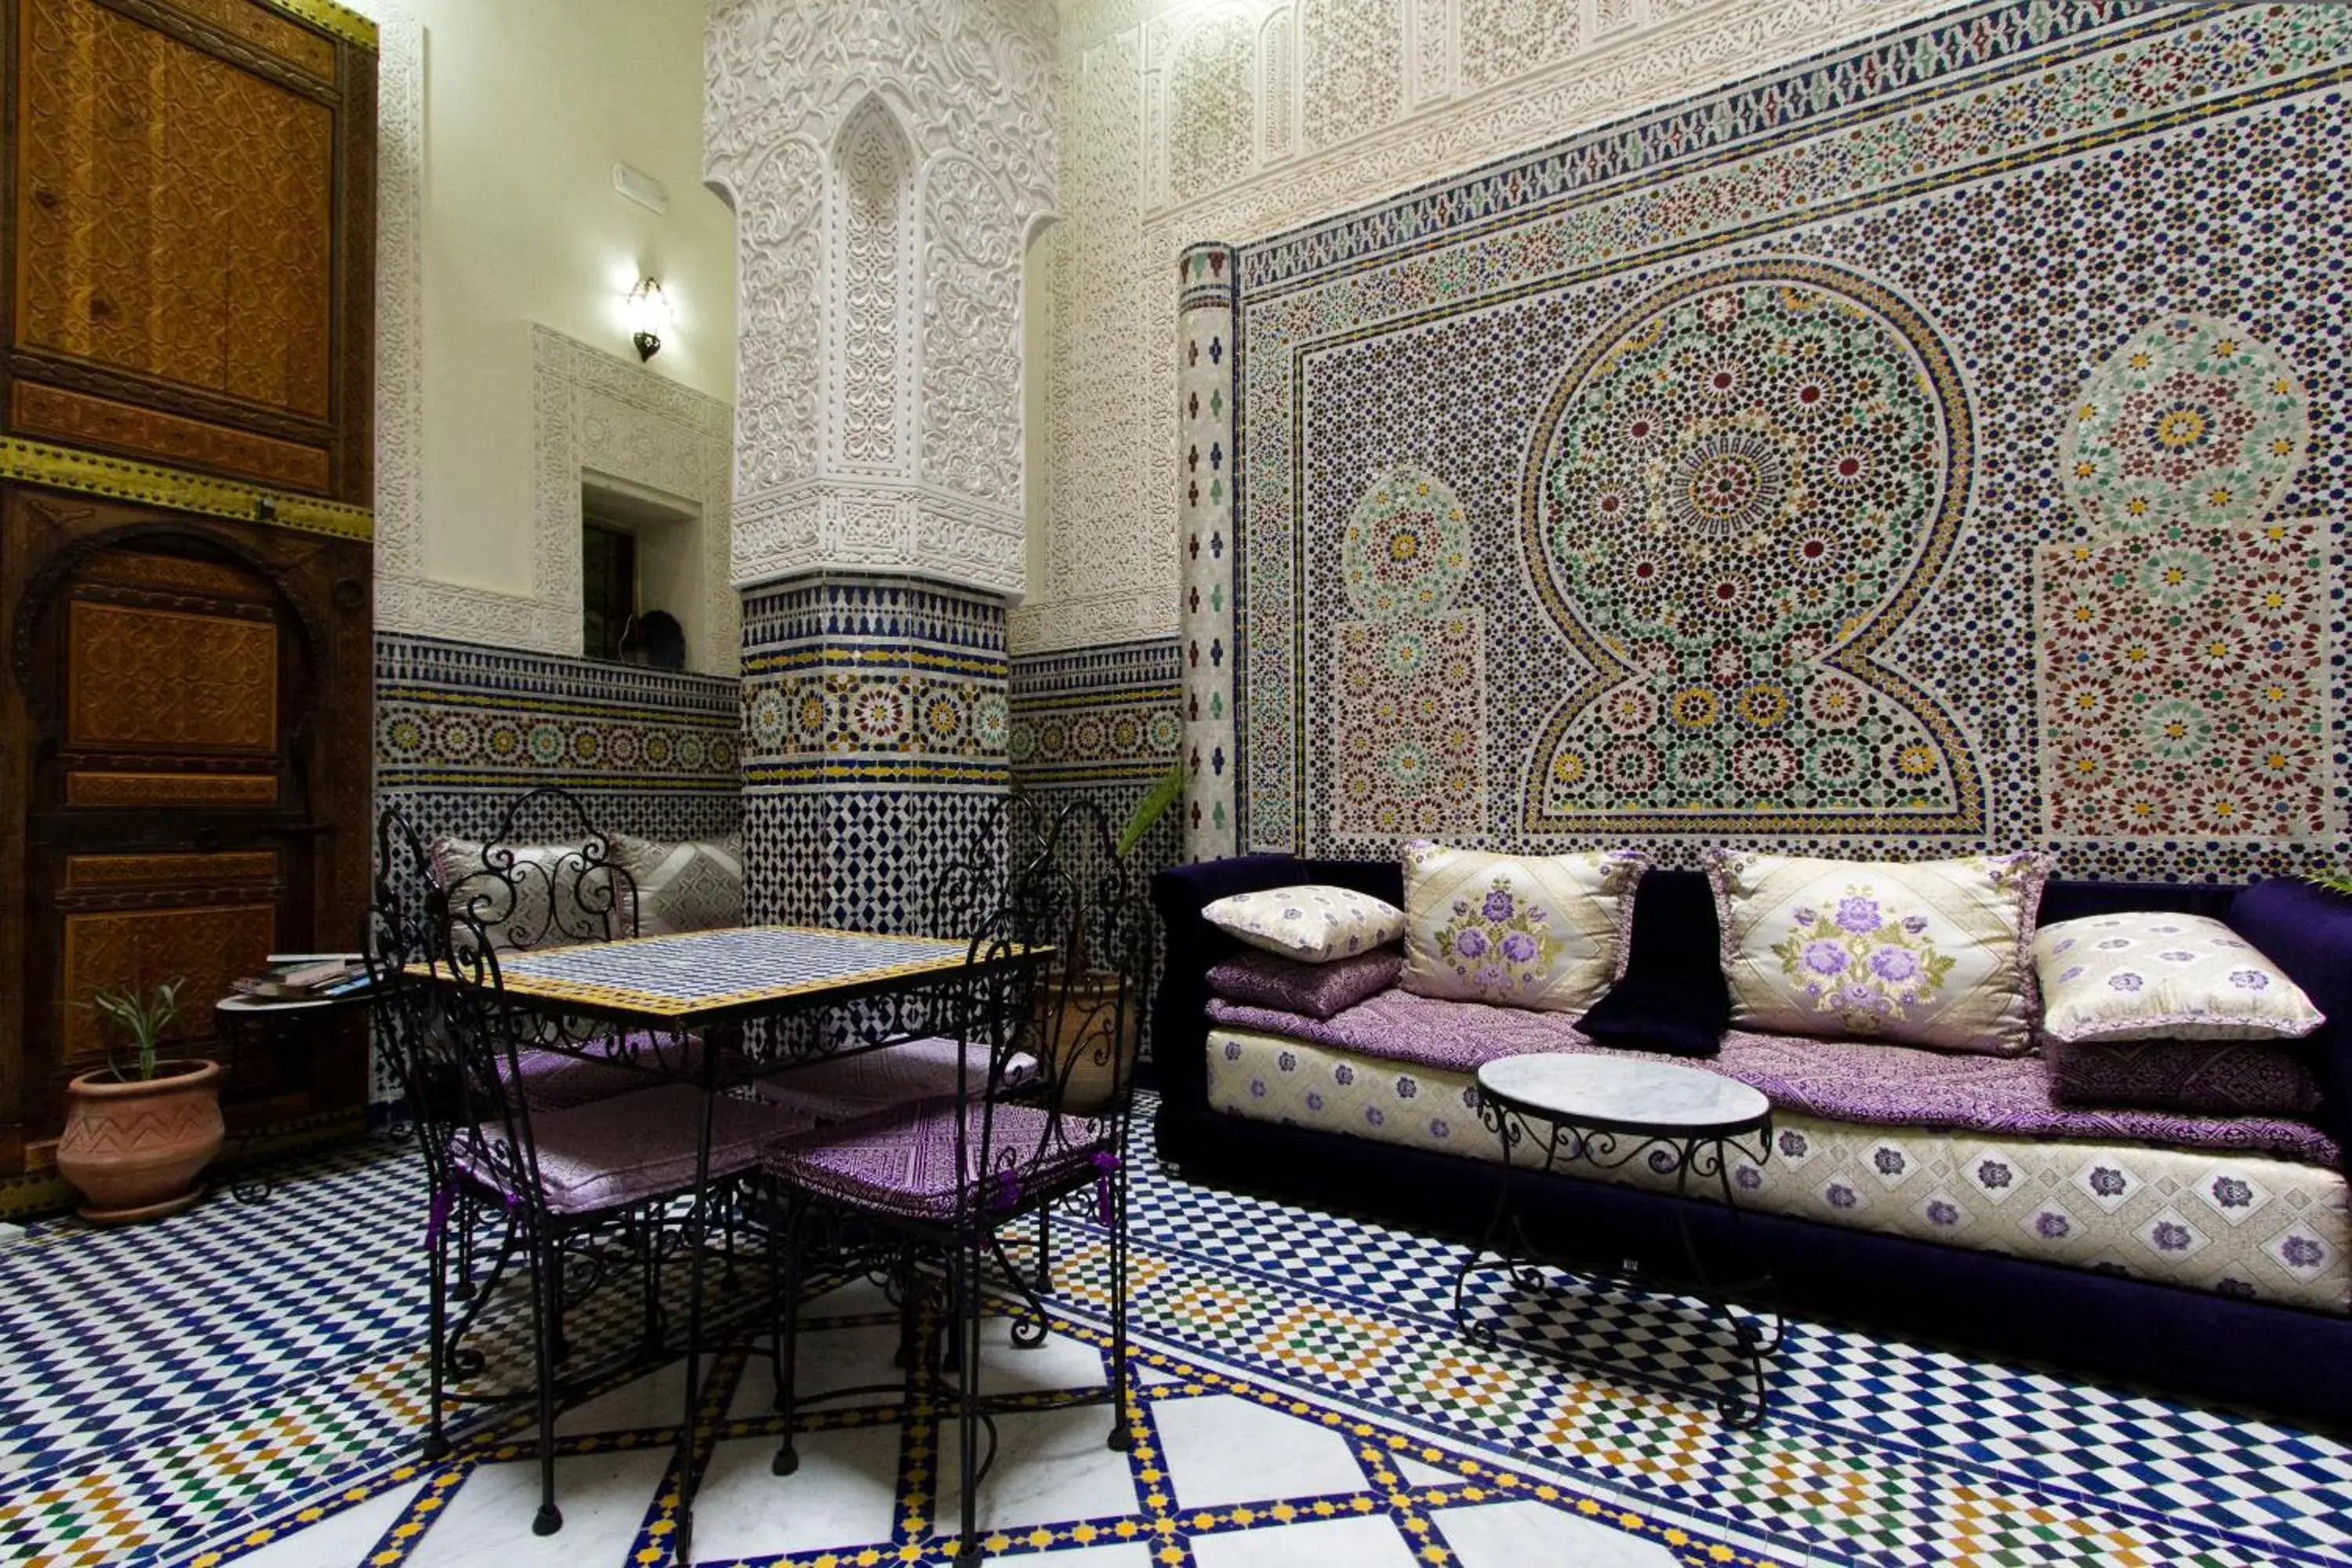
(696, 980)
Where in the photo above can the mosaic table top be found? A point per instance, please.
(688, 977)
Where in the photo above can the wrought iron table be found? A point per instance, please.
(1607, 1111)
(646, 999)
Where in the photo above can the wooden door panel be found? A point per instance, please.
(175, 210)
(169, 680)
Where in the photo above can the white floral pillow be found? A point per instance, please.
(2154, 976)
(1927, 952)
(1312, 923)
(1545, 931)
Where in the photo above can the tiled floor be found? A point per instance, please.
(242, 1385)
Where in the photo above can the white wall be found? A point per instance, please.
(526, 105)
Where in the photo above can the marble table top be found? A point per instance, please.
(1616, 1093)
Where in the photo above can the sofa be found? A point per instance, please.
(1950, 1198)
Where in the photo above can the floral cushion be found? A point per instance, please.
(548, 895)
(1518, 931)
(1311, 924)
(1929, 952)
(2149, 976)
(694, 886)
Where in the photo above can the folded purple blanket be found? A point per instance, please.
(1842, 1080)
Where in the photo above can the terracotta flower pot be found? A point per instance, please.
(134, 1148)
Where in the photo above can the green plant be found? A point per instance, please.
(144, 1016)
(2333, 881)
(1165, 792)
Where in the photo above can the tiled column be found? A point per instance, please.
(875, 718)
(1204, 501)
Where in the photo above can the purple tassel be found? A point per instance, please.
(437, 1218)
(1105, 1163)
(1008, 1189)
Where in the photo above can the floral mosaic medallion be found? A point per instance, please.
(1412, 726)
(2193, 422)
(1407, 546)
(2183, 684)
(1740, 491)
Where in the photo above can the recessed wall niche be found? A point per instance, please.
(661, 545)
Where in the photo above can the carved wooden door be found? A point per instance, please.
(171, 826)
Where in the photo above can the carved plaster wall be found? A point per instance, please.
(887, 163)
(1232, 122)
(594, 411)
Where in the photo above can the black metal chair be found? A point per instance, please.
(556, 1178)
(963, 1168)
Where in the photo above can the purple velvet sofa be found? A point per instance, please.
(2266, 1354)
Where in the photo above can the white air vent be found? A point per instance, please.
(641, 188)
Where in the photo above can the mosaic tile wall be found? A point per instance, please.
(876, 718)
(461, 730)
(1934, 444)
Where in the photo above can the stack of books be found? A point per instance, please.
(305, 978)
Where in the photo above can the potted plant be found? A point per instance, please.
(138, 1130)
(1088, 1000)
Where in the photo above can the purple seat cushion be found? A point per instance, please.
(860, 1085)
(2221, 1077)
(902, 1162)
(1315, 990)
(631, 1149)
(559, 1080)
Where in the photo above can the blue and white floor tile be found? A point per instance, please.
(244, 1385)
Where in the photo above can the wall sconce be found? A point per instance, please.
(648, 309)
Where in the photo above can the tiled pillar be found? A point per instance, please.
(1204, 501)
(874, 720)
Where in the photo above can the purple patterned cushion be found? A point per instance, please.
(630, 1149)
(2218, 1078)
(849, 1086)
(1315, 990)
(559, 1080)
(902, 1161)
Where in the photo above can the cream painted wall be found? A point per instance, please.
(528, 103)
(1233, 120)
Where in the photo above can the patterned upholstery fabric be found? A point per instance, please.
(1520, 930)
(1844, 1080)
(1313, 925)
(634, 1148)
(2163, 977)
(539, 868)
(902, 1162)
(557, 1080)
(1931, 952)
(2221, 1077)
(1317, 990)
(852, 1087)
(2232, 1222)
(694, 886)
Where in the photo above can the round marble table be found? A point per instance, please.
(1605, 1111)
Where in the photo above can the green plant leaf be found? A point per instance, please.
(1164, 794)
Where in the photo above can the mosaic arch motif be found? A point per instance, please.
(2194, 423)
(1412, 676)
(1737, 494)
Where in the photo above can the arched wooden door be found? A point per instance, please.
(174, 824)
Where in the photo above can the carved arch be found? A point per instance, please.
(870, 319)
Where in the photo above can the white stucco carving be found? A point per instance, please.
(592, 410)
(887, 159)
(1352, 101)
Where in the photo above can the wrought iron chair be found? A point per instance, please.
(950, 1174)
(558, 1177)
